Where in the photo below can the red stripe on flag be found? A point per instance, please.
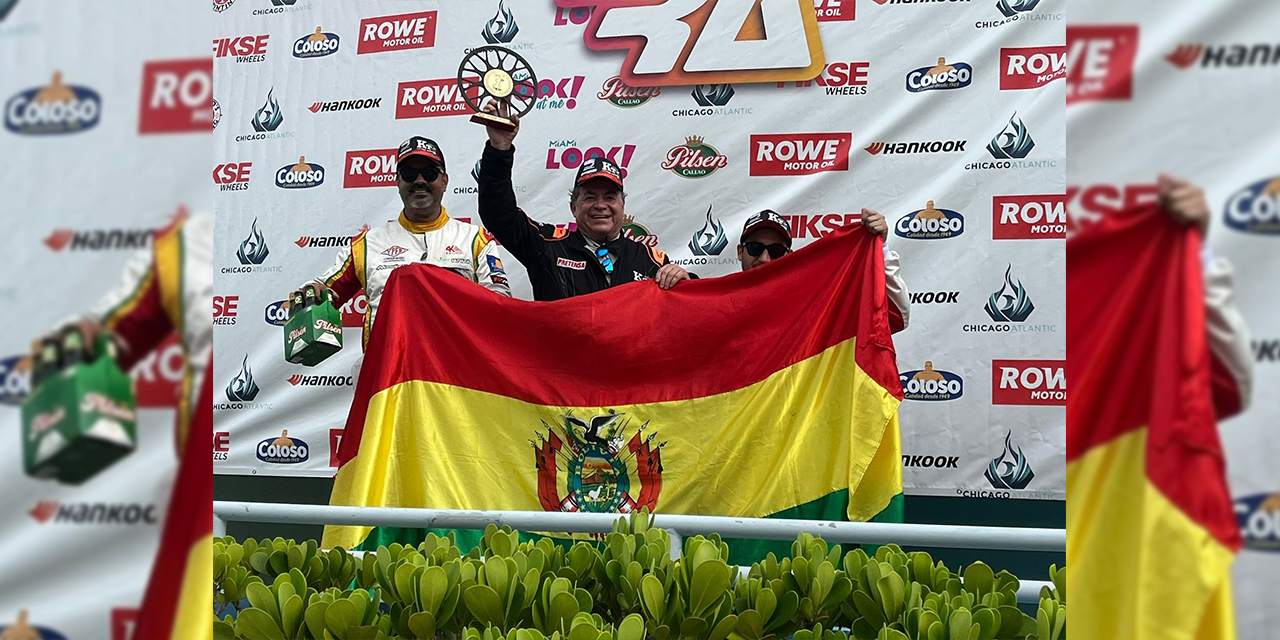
(189, 519)
(631, 344)
(1138, 356)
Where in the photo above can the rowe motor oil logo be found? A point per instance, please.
(1100, 61)
(177, 97)
(54, 109)
(798, 154)
(397, 33)
(708, 42)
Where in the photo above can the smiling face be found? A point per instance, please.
(419, 195)
(597, 207)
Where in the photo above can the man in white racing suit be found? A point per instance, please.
(423, 233)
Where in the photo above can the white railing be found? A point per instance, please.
(679, 526)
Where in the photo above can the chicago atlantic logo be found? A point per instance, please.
(1013, 142)
(1010, 470)
(710, 239)
(268, 117)
(253, 249)
(502, 27)
(713, 95)
(1011, 303)
(604, 471)
(242, 388)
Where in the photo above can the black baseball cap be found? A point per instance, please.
(767, 219)
(420, 146)
(599, 167)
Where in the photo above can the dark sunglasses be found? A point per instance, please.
(409, 174)
(754, 249)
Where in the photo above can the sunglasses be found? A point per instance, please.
(409, 174)
(754, 249)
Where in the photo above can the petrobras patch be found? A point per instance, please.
(495, 266)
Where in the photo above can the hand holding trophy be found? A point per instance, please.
(498, 85)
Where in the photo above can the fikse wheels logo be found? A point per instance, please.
(715, 41)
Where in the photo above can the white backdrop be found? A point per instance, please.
(1147, 100)
(862, 102)
(78, 558)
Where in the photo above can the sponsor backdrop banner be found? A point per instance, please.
(1128, 62)
(105, 139)
(947, 117)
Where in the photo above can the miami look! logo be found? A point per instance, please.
(708, 42)
(605, 472)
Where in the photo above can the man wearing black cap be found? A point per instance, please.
(767, 236)
(423, 233)
(563, 263)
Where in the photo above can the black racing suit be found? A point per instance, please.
(558, 261)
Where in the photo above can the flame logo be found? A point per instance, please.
(1011, 470)
(502, 27)
(713, 95)
(1011, 303)
(1012, 142)
(269, 117)
(242, 388)
(710, 240)
(475, 172)
(1011, 7)
(254, 248)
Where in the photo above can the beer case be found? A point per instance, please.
(312, 335)
(79, 422)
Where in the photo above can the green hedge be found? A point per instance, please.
(624, 587)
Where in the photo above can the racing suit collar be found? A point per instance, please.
(423, 227)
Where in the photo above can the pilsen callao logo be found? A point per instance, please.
(718, 41)
(605, 471)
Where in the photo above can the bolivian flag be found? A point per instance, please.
(769, 392)
(176, 605)
(1150, 529)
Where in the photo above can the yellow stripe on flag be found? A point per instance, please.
(192, 621)
(1135, 552)
(818, 426)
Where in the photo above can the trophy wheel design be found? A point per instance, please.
(497, 74)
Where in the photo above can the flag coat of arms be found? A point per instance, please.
(1150, 528)
(772, 392)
